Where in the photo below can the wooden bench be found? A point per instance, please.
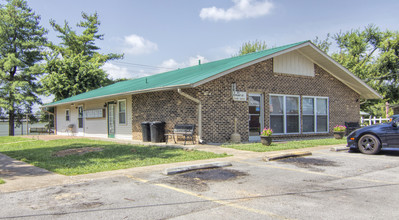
(40, 130)
(182, 130)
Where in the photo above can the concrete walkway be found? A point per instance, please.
(22, 176)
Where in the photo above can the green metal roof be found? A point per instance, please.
(177, 78)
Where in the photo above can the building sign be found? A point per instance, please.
(239, 96)
(95, 113)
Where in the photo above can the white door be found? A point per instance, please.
(256, 112)
(80, 121)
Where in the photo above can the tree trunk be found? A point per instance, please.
(11, 117)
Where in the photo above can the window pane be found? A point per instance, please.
(254, 110)
(292, 105)
(254, 100)
(254, 125)
(292, 124)
(122, 118)
(322, 123)
(321, 106)
(308, 106)
(277, 123)
(308, 123)
(276, 105)
(122, 106)
(80, 122)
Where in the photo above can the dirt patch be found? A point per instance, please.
(77, 151)
(309, 163)
(198, 180)
(213, 174)
(44, 137)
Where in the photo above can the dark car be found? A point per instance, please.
(393, 117)
(370, 139)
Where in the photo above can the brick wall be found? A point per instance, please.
(219, 109)
(167, 106)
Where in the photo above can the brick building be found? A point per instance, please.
(296, 89)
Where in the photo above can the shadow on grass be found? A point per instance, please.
(114, 156)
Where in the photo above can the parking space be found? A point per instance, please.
(326, 185)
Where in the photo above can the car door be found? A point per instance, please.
(392, 134)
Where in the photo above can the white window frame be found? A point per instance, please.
(67, 113)
(315, 114)
(119, 111)
(285, 113)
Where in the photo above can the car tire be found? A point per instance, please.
(369, 144)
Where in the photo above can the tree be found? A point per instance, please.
(73, 67)
(250, 47)
(324, 45)
(373, 56)
(22, 40)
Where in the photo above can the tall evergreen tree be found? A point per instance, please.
(22, 40)
(73, 67)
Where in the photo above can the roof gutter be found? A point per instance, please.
(199, 113)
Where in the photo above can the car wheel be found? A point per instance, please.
(369, 144)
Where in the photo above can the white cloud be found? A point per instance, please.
(137, 45)
(116, 72)
(241, 9)
(229, 50)
(171, 64)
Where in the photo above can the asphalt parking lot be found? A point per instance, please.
(326, 185)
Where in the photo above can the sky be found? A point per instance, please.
(161, 35)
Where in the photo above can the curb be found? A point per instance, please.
(339, 149)
(174, 170)
(286, 155)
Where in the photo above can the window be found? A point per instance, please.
(315, 114)
(122, 111)
(67, 115)
(284, 114)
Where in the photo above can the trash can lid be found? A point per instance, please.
(158, 122)
(145, 122)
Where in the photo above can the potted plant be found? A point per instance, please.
(266, 136)
(339, 131)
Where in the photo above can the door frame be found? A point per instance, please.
(111, 135)
(261, 116)
(82, 129)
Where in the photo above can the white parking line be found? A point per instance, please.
(230, 204)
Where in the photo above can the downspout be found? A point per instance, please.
(199, 113)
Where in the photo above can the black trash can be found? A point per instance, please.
(145, 129)
(157, 131)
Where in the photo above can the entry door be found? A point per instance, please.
(80, 121)
(111, 120)
(256, 109)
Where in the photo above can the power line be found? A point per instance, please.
(143, 65)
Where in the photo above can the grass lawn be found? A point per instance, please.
(7, 139)
(275, 146)
(113, 156)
